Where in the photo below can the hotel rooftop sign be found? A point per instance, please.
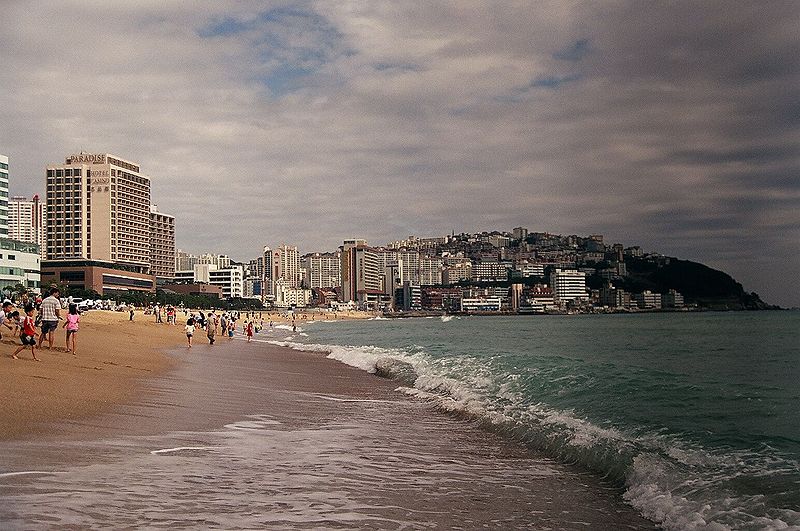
(87, 158)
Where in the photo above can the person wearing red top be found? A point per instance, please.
(28, 335)
(249, 330)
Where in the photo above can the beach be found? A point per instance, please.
(113, 355)
(245, 435)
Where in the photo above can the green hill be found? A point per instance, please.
(698, 283)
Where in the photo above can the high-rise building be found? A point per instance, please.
(26, 221)
(3, 196)
(323, 270)
(568, 285)
(19, 260)
(285, 266)
(98, 208)
(162, 244)
(361, 273)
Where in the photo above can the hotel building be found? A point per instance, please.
(26, 221)
(98, 208)
(162, 244)
(99, 216)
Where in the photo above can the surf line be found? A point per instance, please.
(335, 399)
(29, 473)
(181, 449)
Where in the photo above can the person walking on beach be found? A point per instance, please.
(131, 318)
(28, 336)
(189, 328)
(71, 324)
(249, 330)
(211, 328)
(50, 312)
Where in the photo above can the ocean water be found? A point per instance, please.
(696, 417)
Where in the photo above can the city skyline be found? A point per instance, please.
(671, 126)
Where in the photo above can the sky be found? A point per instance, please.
(670, 125)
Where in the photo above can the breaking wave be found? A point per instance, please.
(673, 482)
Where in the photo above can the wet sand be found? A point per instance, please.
(256, 436)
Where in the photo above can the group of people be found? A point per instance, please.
(225, 324)
(44, 315)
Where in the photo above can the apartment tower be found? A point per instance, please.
(26, 221)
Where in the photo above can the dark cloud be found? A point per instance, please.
(670, 125)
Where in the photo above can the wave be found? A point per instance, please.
(673, 482)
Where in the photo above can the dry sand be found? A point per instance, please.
(113, 354)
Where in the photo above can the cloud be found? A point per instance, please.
(306, 122)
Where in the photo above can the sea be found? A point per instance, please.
(695, 417)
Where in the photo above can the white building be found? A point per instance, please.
(284, 264)
(430, 271)
(568, 285)
(26, 218)
(489, 270)
(530, 269)
(291, 297)
(20, 261)
(483, 304)
(230, 279)
(3, 196)
(647, 299)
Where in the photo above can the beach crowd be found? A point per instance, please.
(35, 321)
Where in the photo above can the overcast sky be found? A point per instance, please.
(671, 125)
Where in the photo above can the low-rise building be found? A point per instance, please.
(672, 299)
(20, 264)
(195, 289)
(483, 304)
(647, 299)
(105, 278)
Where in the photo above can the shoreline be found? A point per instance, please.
(238, 413)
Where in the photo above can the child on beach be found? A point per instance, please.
(71, 324)
(249, 329)
(189, 331)
(28, 336)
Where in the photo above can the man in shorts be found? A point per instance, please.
(50, 311)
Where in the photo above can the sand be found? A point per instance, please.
(113, 357)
